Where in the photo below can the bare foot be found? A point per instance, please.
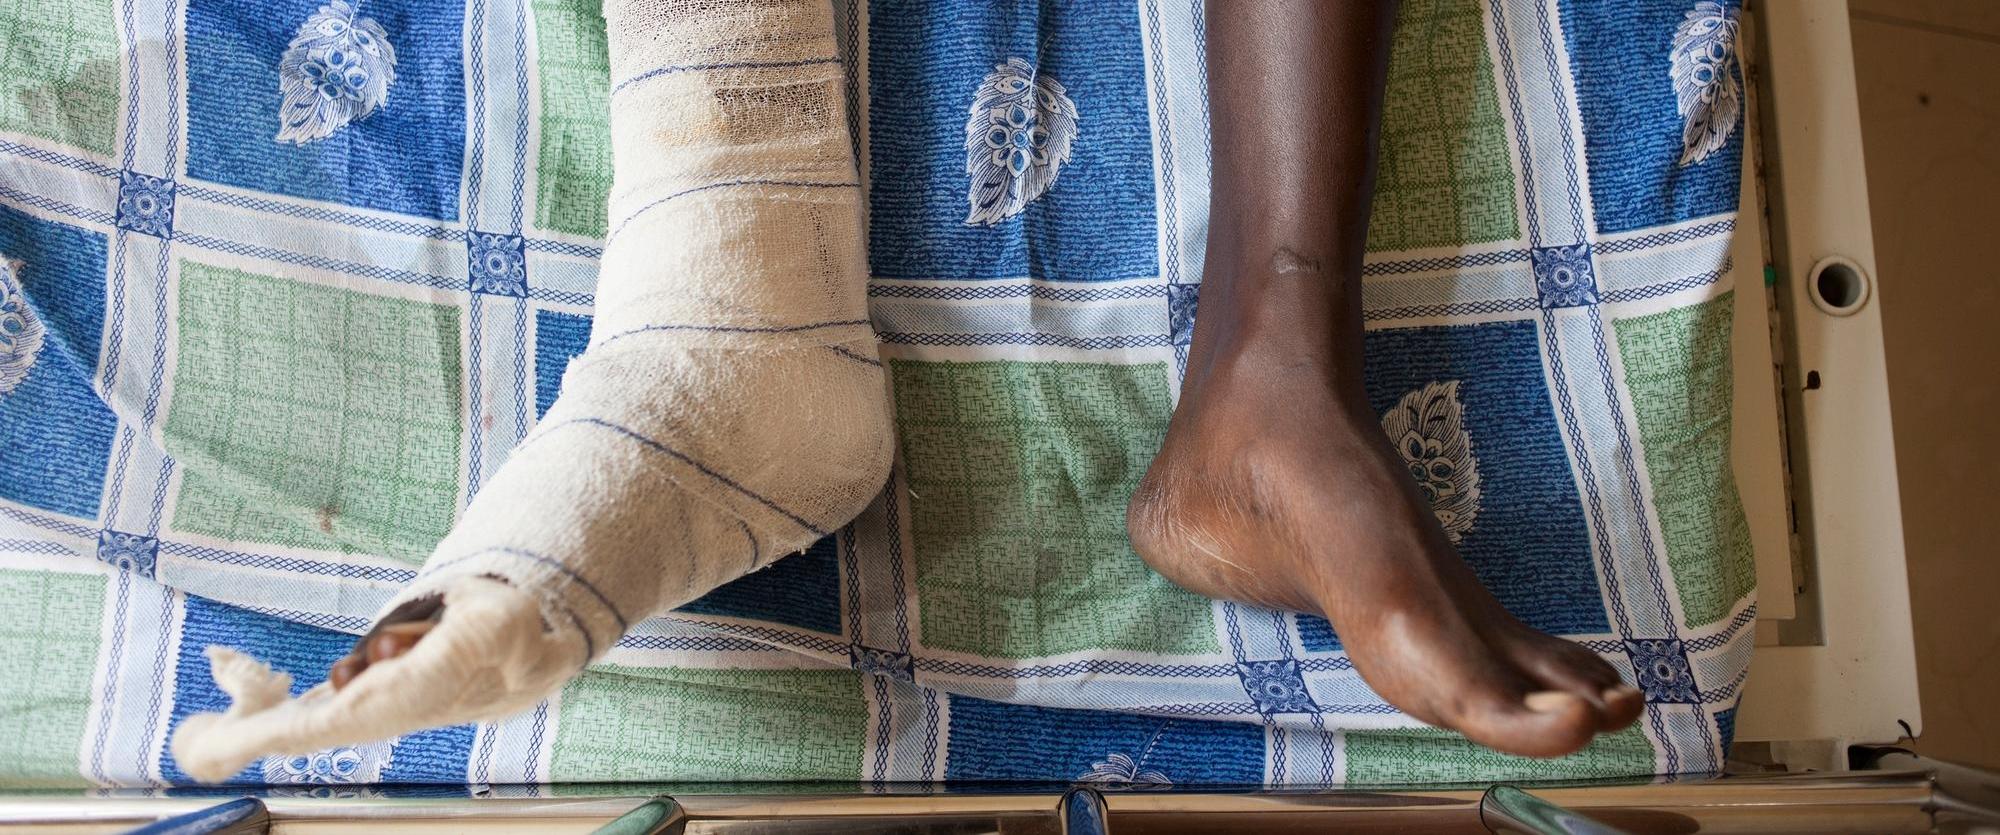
(1277, 487)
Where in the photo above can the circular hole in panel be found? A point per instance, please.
(1838, 286)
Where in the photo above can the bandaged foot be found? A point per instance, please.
(730, 408)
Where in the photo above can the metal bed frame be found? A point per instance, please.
(1912, 795)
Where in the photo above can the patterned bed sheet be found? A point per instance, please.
(270, 317)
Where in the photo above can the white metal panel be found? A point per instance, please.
(1860, 683)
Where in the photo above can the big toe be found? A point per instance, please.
(1542, 723)
(1560, 665)
(1622, 705)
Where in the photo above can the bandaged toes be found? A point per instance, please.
(490, 656)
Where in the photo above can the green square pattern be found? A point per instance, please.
(1444, 178)
(1419, 756)
(1677, 367)
(313, 416)
(1019, 473)
(59, 71)
(573, 171)
(48, 652)
(628, 723)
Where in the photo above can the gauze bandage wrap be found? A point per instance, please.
(730, 408)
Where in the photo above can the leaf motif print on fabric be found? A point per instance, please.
(1120, 770)
(20, 330)
(337, 69)
(1705, 87)
(1017, 138)
(341, 765)
(1427, 429)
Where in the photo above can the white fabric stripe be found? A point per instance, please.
(1137, 317)
(514, 745)
(134, 683)
(1592, 413)
(403, 253)
(244, 586)
(870, 558)
(1520, 23)
(562, 273)
(1649, 267)
(494, 23)
(907, 734)
(1512, 281)
(149, 21)
(1180, 177)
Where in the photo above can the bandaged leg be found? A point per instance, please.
(730, 409)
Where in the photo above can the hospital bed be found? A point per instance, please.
(1834, 674)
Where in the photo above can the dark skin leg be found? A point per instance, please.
(1276, 485)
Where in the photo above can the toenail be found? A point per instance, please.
(1548, 701)
(390, 645)
(1622, 691)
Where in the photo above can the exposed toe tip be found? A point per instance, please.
(390, 644)
(343, 671)
(1555, 723)
(1622, 706)
(1551, 701)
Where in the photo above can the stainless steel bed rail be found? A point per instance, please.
(1871, 802)
(1508, 809)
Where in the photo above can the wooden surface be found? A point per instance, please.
(1928, 74)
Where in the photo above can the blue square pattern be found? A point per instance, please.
(882, 662)
(136, 553)
(145, 204)
(1663, 671)
(436, 756)
(404, 156)
(559, 337)
(1276, 686)
(800, 590)
(497, 264)
(1526, 540)
(1621, 54)
(1564, 276)
(995, 741)
(55, 429)
(927, 62)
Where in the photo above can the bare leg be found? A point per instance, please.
(1276, 485)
